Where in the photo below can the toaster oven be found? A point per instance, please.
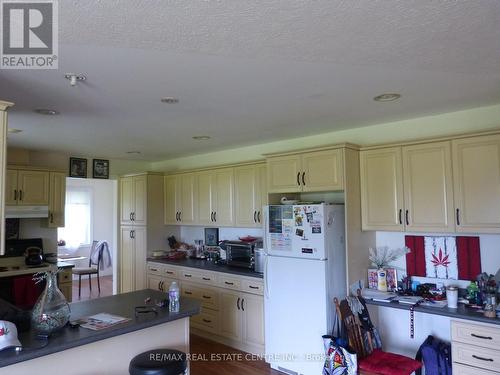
(240, 253)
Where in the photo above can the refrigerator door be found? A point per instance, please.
(295, 308)
(308, 238)
(278, 221)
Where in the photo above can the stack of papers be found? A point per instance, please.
(409, 300)
(100, 321)
(377, 295)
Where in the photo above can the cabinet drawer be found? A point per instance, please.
(206, 320)
(250, 286)
(209, 298)
(475, 334)
(208, 278)
(477, 356)
(189, 275)
(230, 282)
(155, 269)
(459, 369)
(65, 276)
(171, 272)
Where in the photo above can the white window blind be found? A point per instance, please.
(77, 231)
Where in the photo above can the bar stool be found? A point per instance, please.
(159, 362)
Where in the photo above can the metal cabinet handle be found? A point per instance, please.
(169, 272)
(130, 234)
(481, 337)
(20, 195)
(255, 216)
(180, 216)
(51, 217)
(253, 287)
(242, 304)
(400, 216)
(458, 216)
(482, 358)
(304, 178)
(406, 216)
(228, 283)
(133, 216)
(238, 303)
(160, 287)
(130, 216)
(207, 321)
(15, 194)
(153, 269)
(258, 216)
(187, 275)
(298, 178)
(207, 297)
(188, 292)
(133, 234)
(206, 278)
(215, 216)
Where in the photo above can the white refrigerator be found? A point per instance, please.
(305, 267)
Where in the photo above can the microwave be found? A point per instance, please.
(241, 254)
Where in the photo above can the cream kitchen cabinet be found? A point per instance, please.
(133, 197)
(133, 255)
(180, 199)
(215, 197)
(57, 199)
(250, 195)
(407, 188)
(306, 172)
(3, 156)
(476, 174)
(27, 187)
(231, 315)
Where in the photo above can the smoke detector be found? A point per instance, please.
(74, 78)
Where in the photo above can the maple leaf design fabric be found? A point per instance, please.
(441, 257)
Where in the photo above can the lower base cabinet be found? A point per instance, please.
(232, 306)
(132, 255)
(65, 283)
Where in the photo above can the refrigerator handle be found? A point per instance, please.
(266, 279)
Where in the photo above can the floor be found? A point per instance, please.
(211, 358)
(106, 288)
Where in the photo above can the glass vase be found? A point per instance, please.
(51, 311)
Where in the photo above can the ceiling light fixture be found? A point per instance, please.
(74, 78)
(13, 131)
(201, 137)
(387, 97)
(169, 100)
(133, 152)
(45, 111)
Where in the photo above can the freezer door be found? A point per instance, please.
(308, 237)
(278, 221)
(295, 306)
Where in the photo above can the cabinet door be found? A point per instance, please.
(140, 200)
(230, 315)
(126, 199)
(11, 191)
(127, 260)
(322, 171)
(224, 212)
(140, 255)
(188, 198)
(428, 190)
(33, 188)
(284, 174)
(253, 319)
(156, 283)
(172, 199)
(262, 173)
(381, 189)
(476, 174)
(246, 193)
(57, 199)
(206, 208)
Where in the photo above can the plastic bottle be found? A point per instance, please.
(173, 297)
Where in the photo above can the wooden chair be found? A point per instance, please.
(371, 361)
(92, 269)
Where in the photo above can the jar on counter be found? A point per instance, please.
(452, 296)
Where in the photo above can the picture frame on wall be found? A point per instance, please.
(100, 168)
(77, 167)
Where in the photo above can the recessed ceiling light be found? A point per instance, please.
(45, 111)
(201, 137)
(133, 152)
(387, 97)
(169, 100)
(13, 131)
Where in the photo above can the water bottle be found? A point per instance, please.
(173, 297)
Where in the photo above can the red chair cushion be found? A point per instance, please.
(385, 363)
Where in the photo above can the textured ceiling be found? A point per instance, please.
(250, 72)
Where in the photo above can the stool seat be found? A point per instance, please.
(158, 362)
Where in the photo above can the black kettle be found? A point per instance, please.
(33, 256)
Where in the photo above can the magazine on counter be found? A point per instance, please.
(100, 321)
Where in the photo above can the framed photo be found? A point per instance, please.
(211, 236)
(100, 168)
(78, 167)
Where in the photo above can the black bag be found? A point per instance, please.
(436, 355)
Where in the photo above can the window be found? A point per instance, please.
(77, 231)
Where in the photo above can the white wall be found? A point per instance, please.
(394, 325)
(32, 228)
(189, 234)
(104, 216)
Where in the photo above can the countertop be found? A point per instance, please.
(207, 265)
(120, 304)
(26, 270)
(463, 312)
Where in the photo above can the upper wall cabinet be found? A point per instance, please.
(215, 197)
(181, 199)
(306, 172)
(476, 174)
(250, 194)
(27, 188)
(407, 188)
(57, 200)
(133, 195)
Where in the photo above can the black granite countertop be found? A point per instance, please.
(120, 304)
(462, 312)
(208, 265)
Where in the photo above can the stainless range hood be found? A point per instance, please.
(19, 212)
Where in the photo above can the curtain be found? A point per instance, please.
(77, 231)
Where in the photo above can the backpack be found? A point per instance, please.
(436, 355)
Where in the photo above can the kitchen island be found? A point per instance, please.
(107, 351)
